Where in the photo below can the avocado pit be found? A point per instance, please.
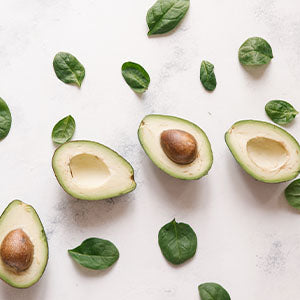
(180, 146)
(17, 250)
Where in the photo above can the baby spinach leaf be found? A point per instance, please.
(255, 51)
(63, 130)
(136, 76)
(96, 254)
(207, 75)
(5, 119)
(68, 69)
(212, 291)
(177, 241)
(164, 15)
(280, 112)
(292, 193)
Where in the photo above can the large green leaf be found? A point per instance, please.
(63, 130)
(212, 291)
(280, 112)
(177, 241)
(292, 193)
(68, 69)
(136, 76)
(5, 119)
(96, 254)
(164, 15)
(207, 75)
(255, 51)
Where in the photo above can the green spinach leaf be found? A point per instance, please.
(5, 119)
(96, 254)
(68, 69)
(207, 75)
(63, 130)
(177, 241)
(212, 291)
(164, 15)
(292, 193)
(136, 76)
(255, 51)
(280, 112)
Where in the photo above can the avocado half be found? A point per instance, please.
(151, 132)
(91, 171)
(265, 151)
(21, 231)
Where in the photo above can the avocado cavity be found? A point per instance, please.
(88, 171)
(267, 154)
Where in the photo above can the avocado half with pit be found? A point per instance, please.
(23, 245)
(265, 151)
(176, 146)
(91, 171)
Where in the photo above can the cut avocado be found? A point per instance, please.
(176, 146)
(23, 245)
(265, 151)
(91, 171)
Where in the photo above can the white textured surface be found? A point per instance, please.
(249, 238)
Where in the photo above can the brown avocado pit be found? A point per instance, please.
(180, 146)
(17, 250)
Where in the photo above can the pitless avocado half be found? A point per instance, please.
(177, 146)
(23, 245)
(265, 151)
(91, 171)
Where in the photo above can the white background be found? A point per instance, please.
(248, 236)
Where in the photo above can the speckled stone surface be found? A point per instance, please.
(248, 236)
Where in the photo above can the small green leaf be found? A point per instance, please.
(5, 119)
(212, 291)
(68, 69)
(96, 254)
(136, 76)
(255, 52)
(280, 112)
(177, 241)
(292, 194)
(165, 15)
(207, 75)
(63, 130)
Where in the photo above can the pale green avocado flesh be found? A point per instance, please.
(149, 134)
(19, 215)
(265, 151)
(91, 171)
